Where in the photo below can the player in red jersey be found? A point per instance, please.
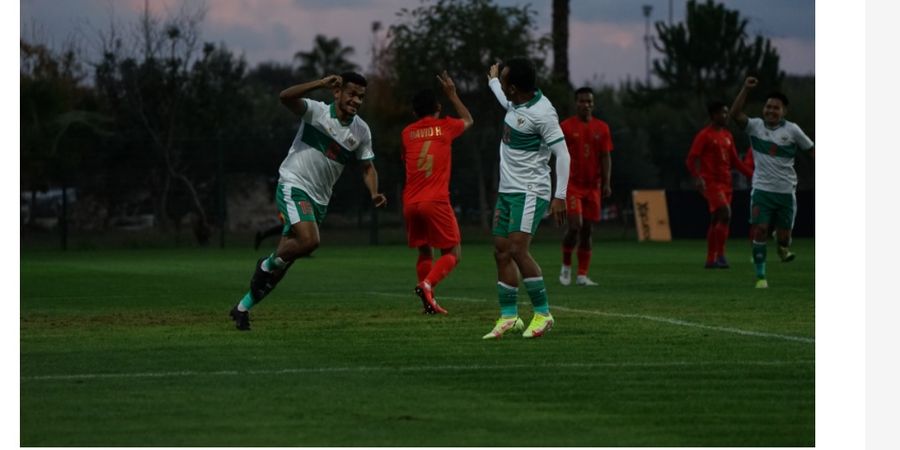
(589, 142)
(714, 149)
(430, 220)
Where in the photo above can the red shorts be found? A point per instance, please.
(717, 195)
(432, 224)
(583, 202)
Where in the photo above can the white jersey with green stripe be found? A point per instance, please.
(322, 147)
(773, 154)
(529, 129)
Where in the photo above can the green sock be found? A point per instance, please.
(508, 296)
(246, 303)
(538, 293)
(274, 263)
(759, 259)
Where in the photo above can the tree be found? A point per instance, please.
(465, 37)
(561, 41)
(704, 58)
(328, 56)
(173, 106)
(710, 53)
(59, 121)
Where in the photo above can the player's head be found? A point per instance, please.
(775, 108)
(584, 102)
(425, 103)
(518, 76)
(718, 112)
(349, 97)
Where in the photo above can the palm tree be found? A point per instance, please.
(560, 33)
(327, 56)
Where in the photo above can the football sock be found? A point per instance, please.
(273, 263)
(441, 269)
(538, 294)
(711, 244)
(508, 297)
(584, 261)
(423, 267)
(246, 303)
(567, 255)
(759, 258)
(722, 237)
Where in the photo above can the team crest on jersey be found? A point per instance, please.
(350, 141)
(521, 121)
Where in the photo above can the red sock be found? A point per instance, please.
(441, 269)
(723, 230)
(712, 245)
(423, 267)
(567, 256)
(584, 261)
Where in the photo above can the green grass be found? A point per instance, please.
(134, 348)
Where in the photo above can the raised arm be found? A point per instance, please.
(496, 88)
(737, 108)
(450, 90)
(292, 97)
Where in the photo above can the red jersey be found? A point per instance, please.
(717, 154)
(586, 142)
(426, 151)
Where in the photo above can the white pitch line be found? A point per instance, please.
(400, 369)
(667, 320)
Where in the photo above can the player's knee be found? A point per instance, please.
(723, 215)
(502, 255)
(518, 250)
(759, 233)
(585, 231)
(310, 245)
(457, 253)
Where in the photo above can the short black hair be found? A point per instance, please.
(584, 90)
(355, 78)
(778, 96)
(715, 106)
(522, 74)
(425, 102)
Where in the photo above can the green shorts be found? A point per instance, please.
(772, 208)
(294, 206)
(518, 212)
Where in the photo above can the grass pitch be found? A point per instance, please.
(134, 348)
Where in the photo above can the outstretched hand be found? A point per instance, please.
(494, 71)
(447, 84)
(751, 82)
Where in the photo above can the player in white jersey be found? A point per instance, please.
(774, 142)
(531, 133)
(330, 136)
